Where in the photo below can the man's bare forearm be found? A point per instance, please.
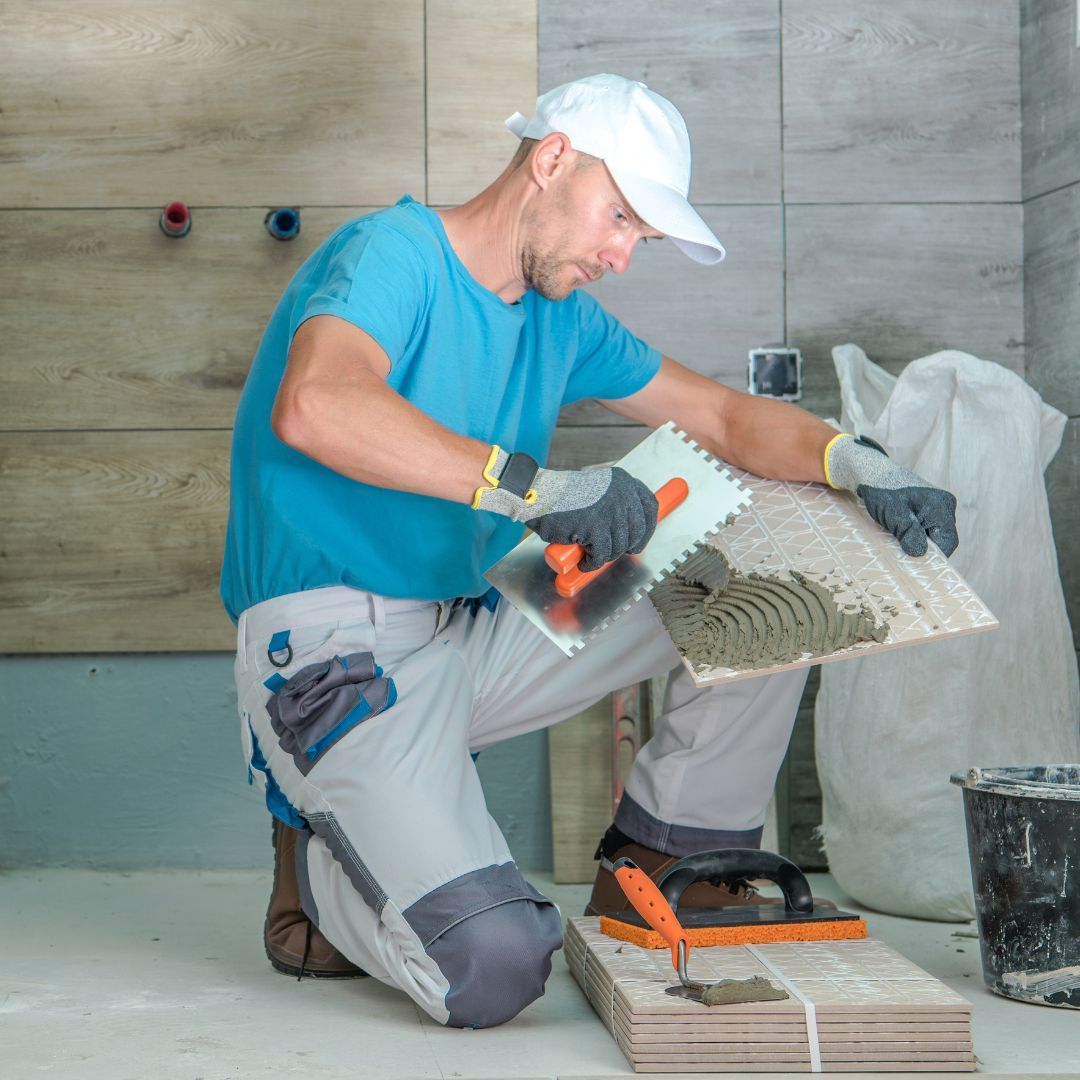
(363, 429)
(772, 438)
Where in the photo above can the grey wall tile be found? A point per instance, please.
(1063, 491)
(1050, 70)
(718, 62)
(706, 317)
(902, 282)
(1052, 296)
(905, 101)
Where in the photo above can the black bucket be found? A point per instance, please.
(1023, 827)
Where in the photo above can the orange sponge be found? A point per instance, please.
(748, 934)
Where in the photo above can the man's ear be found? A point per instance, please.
(551, 158)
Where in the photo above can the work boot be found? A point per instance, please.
(293, 943)
(608, 897)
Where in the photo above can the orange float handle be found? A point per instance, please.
(650, 904)
(564, 558)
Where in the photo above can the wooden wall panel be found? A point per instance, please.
(579, 762)
(902, 282)
(121, 103)
(111, 324)
(706, 317)
(481, 68)
(112, 541)
(1052, 296)
(718, 61)
(1050, 85)
(905, 101)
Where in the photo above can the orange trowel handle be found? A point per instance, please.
(564, 558)
(650, 904)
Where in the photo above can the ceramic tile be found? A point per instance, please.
(850, 1003)
(829, 537)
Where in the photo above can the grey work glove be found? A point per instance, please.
(896, 498)
(605, 510)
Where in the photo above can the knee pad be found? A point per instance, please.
(497, 961)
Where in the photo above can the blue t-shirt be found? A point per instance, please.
(481, 367)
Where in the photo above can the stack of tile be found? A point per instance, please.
(853, 1006)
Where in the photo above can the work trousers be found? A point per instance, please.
(361, 715)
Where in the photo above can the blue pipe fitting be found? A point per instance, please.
(283, 223)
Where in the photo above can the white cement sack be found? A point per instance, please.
(890, 729)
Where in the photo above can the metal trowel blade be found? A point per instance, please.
(526, 581)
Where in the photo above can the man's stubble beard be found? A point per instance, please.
(542, 269)
(542, 277)
(542, 274)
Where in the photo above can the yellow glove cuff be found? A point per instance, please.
(828, 449)
(493, 481)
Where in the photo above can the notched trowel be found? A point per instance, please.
(704, 497)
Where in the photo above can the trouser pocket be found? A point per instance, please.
(318, 706)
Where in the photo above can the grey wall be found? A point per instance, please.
(1050, 67)
(862, 165)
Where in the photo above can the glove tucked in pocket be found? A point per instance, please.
(323, 702)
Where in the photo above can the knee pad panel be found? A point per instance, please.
(491, 935)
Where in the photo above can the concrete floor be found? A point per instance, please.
(162, 975)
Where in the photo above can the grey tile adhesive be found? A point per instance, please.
(805, 576)
(718, 617)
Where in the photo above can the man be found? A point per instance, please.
(386, 452)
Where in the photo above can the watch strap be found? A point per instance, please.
(518, 475)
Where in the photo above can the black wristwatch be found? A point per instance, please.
(518, 474)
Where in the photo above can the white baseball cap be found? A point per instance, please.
(643, 141)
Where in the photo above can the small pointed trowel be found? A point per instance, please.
(697, 495)
(651, 904)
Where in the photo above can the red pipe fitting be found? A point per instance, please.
(175, 220)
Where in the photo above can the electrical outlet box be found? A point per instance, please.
(775, 371)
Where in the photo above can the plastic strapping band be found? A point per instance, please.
(808, 1005)
(585, 973)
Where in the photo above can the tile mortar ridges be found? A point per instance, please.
(718, 617)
